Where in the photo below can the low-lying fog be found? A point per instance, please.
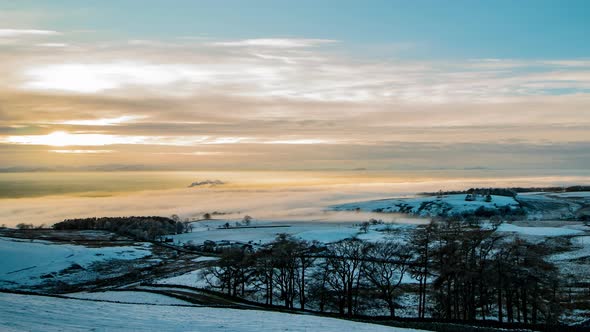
(289, 196)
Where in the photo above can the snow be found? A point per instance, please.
(192, 279)
(430, 205)
(267, 232)
(580, 242)
(24, 262)
(205, 259)
(548, 206)
(37, 313)
(129, 297)
(538, 231)
(574, 194)
(328, 235)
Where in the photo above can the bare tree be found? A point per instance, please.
(420, 243)
(233, 271)
(247, 220)
(384, 268)
(365, 227)
(25, 226)
(345, 259)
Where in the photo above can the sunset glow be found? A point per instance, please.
(397, 98)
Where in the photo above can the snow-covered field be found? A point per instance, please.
(24, 262)
(538, 231)
(547, 206)
(191, 279)
(265, 232)
(37, 313)
(536, 205)
(205, 259)
(581, 249)
(429, 205)
(328, 232)
(129, 297)
(575, 194)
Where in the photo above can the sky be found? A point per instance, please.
(295, 85)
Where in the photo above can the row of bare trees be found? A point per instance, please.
(460, 272)
(476, 273)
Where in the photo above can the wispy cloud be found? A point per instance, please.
(53, 45)
(103, 121)
(275, 42)
(93, 77)
(194, 153)
(309, 76)
(27, 32)
(61, 138)
(300, 141)
(286, 101)
(82, 151)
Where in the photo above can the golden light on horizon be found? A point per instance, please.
(81, 151)
(63, 138)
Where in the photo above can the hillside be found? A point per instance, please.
(431, 205)
(32, 262)
(55, 314)
(532, 206)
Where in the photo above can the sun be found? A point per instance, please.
(58, 138)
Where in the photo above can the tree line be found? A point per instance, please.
(138, 227)
(459, 271)
(511, 191)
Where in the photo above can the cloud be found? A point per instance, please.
(54, 45)
(26, 32)
(103, 121)
(81, 151)
(194, 153)
(276, 42)
(292, 107)
(300, 141)
(568, 63)
(93, 78)
(272, 68)
(61, 138)
(295, 77)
